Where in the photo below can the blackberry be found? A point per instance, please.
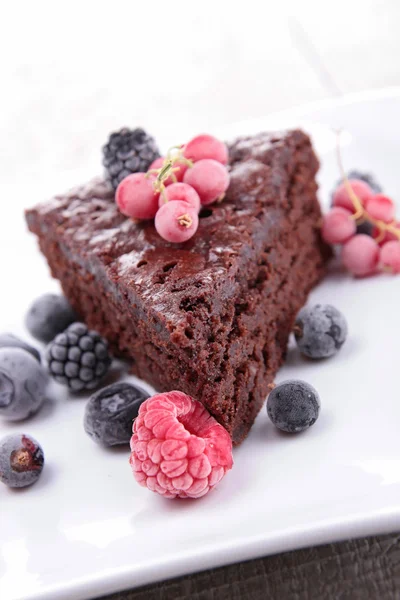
(128, 151)
(78, 357)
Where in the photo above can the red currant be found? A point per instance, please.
(136, 198)
(176, 221)
(209, 178)
(180, 191)
(338, 226)
(360, 188)
(206, 146)
(360, 255)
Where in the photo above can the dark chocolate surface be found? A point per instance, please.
(210, 317)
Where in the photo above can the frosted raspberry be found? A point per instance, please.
(178, 448)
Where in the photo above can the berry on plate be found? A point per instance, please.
(177, 221)
(209, 178)
(136, 197)
(8, 340)
(360, 255)
(180, 191)
(110, 412)
(48, 315)
(390, 256)
(342, 198)
(338, 226)
(206, 146)
(78, 358)
(128, 151)
(320, 330)
(23, 384)
(21, 460)
(293, 406)
(178, 448)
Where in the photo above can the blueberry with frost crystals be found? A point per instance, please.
(293, 406)
(110, 411)
(320, 331)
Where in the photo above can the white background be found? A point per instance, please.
(73, 71)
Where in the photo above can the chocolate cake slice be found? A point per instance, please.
(212, 316)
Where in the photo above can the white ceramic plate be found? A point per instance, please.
(86, 528)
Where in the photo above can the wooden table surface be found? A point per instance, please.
(73, 72)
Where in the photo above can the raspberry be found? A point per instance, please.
(206, 146)
(178, 448)
(338, 226)
(360, 188)
(176, 221)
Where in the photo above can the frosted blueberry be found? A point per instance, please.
(320, 331)
(293, 406)
(49, 315)
(110, 412)
(23, 383)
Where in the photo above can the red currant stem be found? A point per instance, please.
(164, 195)
(361, 214)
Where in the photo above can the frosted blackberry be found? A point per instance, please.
(78, 357)
(128, 151)
(320, 330)
(293, 406)
(48, 315)
(21, 460)
(110, 412)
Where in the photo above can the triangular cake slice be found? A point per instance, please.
(212, 316)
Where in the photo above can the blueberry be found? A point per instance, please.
(293, 406)
(366, 227)
(320, 331)
(110, 412)
(21, 460)
(49, 315)
(23, 383)
(8, 340)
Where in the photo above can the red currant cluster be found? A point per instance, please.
(174, 188)
(364, 224)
